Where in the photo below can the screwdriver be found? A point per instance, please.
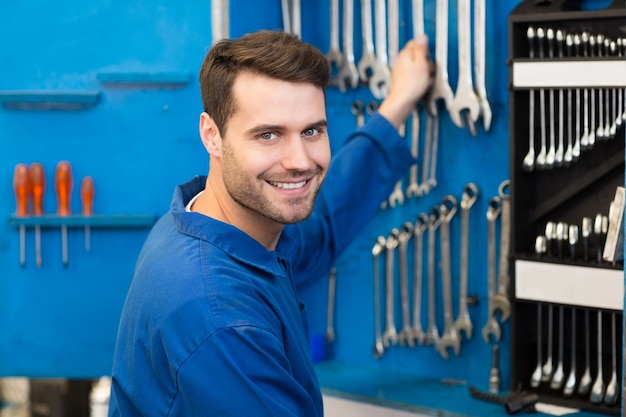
(38, 183)
(63, 187)
(87, 192)
(21, 187)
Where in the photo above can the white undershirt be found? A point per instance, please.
(195, 197)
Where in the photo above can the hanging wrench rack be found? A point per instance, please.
(566, 74)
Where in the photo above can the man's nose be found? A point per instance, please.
(295, 153)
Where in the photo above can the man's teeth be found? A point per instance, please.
(288, 185)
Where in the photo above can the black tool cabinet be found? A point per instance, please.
(581, 288)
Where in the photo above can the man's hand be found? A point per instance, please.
(411, 76)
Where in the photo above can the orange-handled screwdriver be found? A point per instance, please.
(21, 187)
(87, 192)
(63, 186)
(38, 183)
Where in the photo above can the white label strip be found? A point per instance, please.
(569, 74)
(567, 284)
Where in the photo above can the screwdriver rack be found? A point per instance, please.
(588, 292)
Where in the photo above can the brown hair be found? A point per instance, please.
(274, 54)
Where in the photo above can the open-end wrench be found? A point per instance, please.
(480, 42)
(219, 20)
(330, 327)
(450, 336)
(381, 76)
(465, 98)
(406, 334)
(368, 57)
(378, 248)
(348, 75)
(463, 321)
(540, 162)
(390, 335)
(529, 160)
(560, 150)
(501, 301)
(432, 333)
(441, 87)
(413, 189)
(421, 224)
(552, 149)
(397, 195)
(492, 327)
(334, 56)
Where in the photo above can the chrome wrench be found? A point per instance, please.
(421, 224)
(441, 87)
(348, 75)
(368, 57)
(219, 20)
(463, 321)
(465, 98)
(397, 195)
(413, 189)
(552, 149)
(432, 333)
(406, 334)
(450, 336)
(540, 162)
(378, 248)
(480, 60)
(334, 56)
(390, 335)
(491, 327)
(381, 76)
(501, 299)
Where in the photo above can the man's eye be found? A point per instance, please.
(311, 132)
(267, 136)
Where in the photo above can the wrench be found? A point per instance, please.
(406, 334)
(432, 334)
(552, 150)
(330, 328)
(378, 248)
(465, 97)
(546, 370)
(450, 336)
(381, 76)
(528, 163)
(368, 58)
(500, 299)
(334, 56)
(479, 60)
(397, 195)
(558, 156)
(390, 334)
(600, 131)
(348, 74)
(413, 189)
(463, 321)
(540, 162)
(492, 327)
(219, 20)
(441, 87)
(591, 137)
(421, 225)
(584, 141)
(424, 186)
(358, 109)
(432, 177)
(576, 148)
(607, 110)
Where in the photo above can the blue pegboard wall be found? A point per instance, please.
(137, 142)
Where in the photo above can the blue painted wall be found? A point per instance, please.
(137, 143)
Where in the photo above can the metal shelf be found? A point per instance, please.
(125, 220)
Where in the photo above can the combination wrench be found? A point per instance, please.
(480, 42)
(501, 299)
(463, 321)
(378, 248)
(465, 98)
(381, 76)
(368, 57)
(405, 336)
(432, 333)
(450, 336)
(421, 224)
(334, 56)
(491, 327)
(552, 149)
(348, 74)
(390, 335)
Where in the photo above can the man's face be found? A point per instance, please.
(276, 150)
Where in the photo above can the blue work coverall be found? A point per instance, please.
(212, 325)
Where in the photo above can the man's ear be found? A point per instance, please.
(210, 135)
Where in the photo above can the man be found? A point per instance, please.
(212, 325)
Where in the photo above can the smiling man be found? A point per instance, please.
(212, 325)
